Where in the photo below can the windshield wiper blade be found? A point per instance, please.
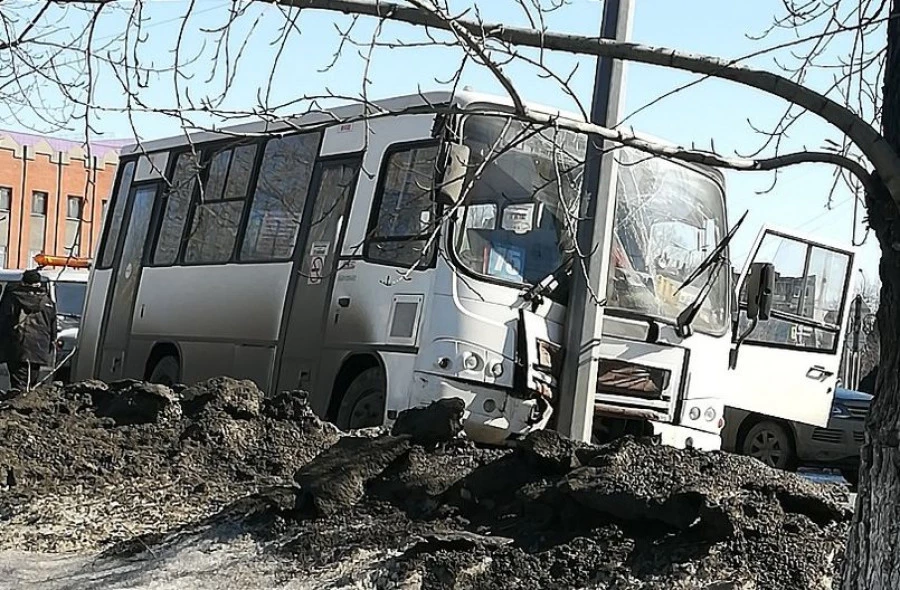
(713, 256)
(715, 260)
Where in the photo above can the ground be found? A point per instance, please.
(217, 486)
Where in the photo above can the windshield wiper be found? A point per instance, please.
(548, 284)
(715, 260)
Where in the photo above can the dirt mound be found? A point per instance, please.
(90, 464)
(140, 470)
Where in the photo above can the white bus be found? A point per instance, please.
(330, 255)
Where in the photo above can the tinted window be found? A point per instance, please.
(70, 298)
(405, 219)
(218, 214)
(115, 222)
(178, 202)
(281, 191)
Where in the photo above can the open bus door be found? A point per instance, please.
(786, 367)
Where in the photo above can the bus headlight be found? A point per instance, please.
(497, 369)
(471, 362)
(694, 413)
(709, 414)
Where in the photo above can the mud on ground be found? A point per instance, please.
(136, 482)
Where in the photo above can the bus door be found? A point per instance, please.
(787, 366)
(125, 282)
(312, 278)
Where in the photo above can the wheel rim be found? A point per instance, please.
(366, 412)
(768, 448)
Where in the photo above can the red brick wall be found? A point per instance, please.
(25, 171)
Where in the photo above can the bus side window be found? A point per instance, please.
(279, 198)
(404, 214)
(218, 211)
(177, 205)
(114, 228)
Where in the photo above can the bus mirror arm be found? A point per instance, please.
(760, 283)
(733, 353)
(456, 165)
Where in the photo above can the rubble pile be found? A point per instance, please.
(89, 464)
(138, 469)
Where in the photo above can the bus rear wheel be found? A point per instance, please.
(165, 371)
(362, 405)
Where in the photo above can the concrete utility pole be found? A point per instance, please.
(585, 317)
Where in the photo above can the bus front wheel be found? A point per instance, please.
(165, 371)
(362, 405)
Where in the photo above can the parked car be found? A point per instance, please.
(68, 289)
(788, 445)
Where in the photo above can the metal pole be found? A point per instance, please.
(589, 275)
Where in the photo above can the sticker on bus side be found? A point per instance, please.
(318, 251)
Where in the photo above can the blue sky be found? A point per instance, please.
(712, 110)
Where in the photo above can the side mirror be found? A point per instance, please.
(760, 290)
(456, 165)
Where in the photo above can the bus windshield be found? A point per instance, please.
(668, 218)
(524, 180)
(517, 225)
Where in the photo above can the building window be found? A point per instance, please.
(402, 225)
(217, 216)
(38, 230)
(5, 203)
(72, 245)
(39, 203)
(73, 207)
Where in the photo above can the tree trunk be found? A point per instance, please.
(872, 558)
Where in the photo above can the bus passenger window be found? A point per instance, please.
(115, 223)
(178, 202)
(279, 198)
(217, 216)
(406, 217)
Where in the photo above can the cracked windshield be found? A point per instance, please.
(668, 218)
(515, 228)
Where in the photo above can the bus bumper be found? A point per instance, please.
(492, 415)
(682, 437)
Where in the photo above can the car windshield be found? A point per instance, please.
(70, 298)
(523, 180)
(668, 218)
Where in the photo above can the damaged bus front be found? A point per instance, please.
(510, 243)
(671, 314)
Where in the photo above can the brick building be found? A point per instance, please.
(50, 193)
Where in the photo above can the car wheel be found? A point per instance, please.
(363, 403)
(770, 442)
(166, 371)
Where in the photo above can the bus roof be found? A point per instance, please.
(461, 98)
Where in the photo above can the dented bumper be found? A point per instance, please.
(492, 415)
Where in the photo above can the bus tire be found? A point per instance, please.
(770, 442)
(166, 371)
(362, 405)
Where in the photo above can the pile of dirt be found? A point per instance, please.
(142, 471)
(89, 464)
